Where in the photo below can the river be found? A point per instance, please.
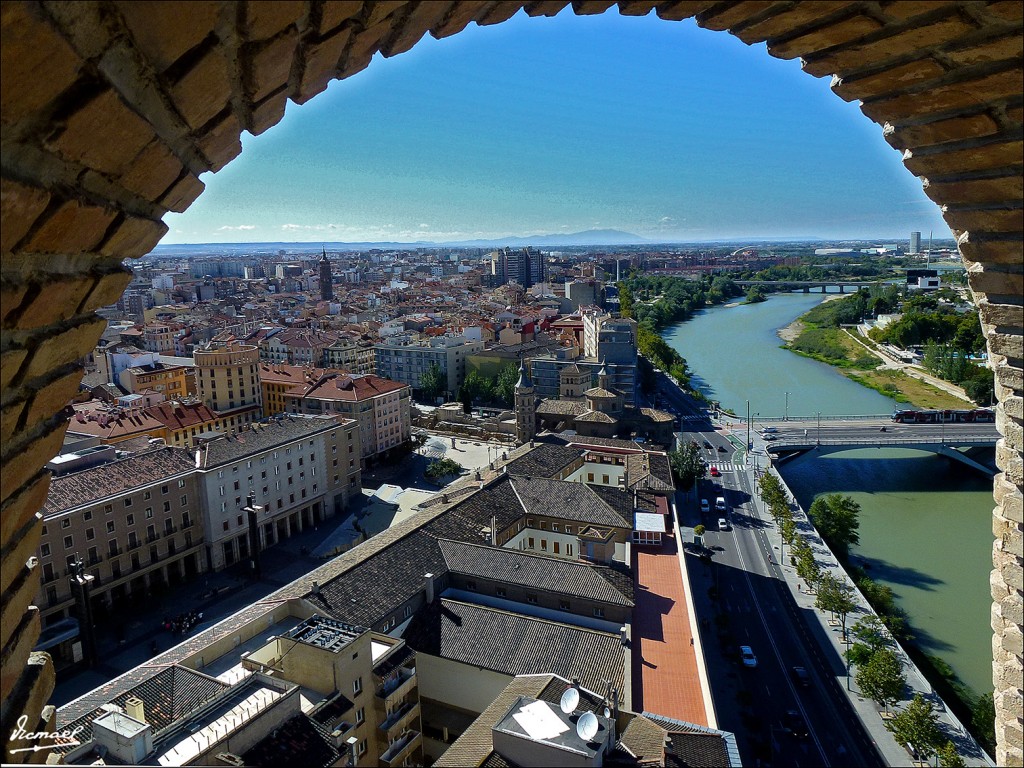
(925, 525)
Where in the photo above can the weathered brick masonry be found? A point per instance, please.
(111, 110)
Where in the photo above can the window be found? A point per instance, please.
(90, 534)
(543, 525)
(65, 523)
(500, 592)
(181, 483)
(554, 546)
(185, 520)
(531, 599)
(590, 477)
(361, 747)
(563, 605)
(184, 500)
(471, 585)
(226, 525)
(167, 506)
(108, 508)
(239, 519)
(531, 522)
(110, 526)
(544, 544)
(599, 612)
(87, 515)
(163, 489)
(236, 485)
(357, 686)
(360, 715)
(44, 550)
(568, 529)
(531, 542)
(149, 513)
(69, 542)
(127, 502)
(147, 496)
(130, 519)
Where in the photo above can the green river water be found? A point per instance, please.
(925, 525)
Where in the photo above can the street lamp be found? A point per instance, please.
(819, 428)
(786, 417)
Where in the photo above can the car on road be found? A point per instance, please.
(720, 504)
(794, 723)
(769, 430)
(723, 524)
(707, 445)
(704, 506)
(747, 654)
(714, 472)
(721, 449)
(800, 676)
(769, 437)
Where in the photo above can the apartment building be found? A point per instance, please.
(135, 522)
(172, 381)
(158, 337)
(381, 407)
(299, 469)
(227, 379)
(404, 360)
(350, 355)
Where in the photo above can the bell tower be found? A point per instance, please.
(526, 406)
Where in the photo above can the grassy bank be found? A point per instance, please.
(907, 389)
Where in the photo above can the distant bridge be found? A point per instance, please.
(944, 446)
(808, 284)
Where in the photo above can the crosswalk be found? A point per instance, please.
(727, 466)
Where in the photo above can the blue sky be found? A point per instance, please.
(560, 125)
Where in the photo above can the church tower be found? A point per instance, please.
(326, 288)
(526, 406)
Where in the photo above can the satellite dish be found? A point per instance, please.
(586, 728)
(607, 712)
(570, 699)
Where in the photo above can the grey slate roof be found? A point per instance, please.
(545, 460)
(650, 471)
(168, 693)
(574, 501)
(696, 746)
(545, 573)
(514, 644)
(115, 477)
(298, 741)
(264, 437)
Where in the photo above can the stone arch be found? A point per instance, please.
(112, 109)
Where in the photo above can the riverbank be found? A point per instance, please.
(863, 364)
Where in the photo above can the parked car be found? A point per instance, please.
(704, 506)
(747, 654)
(720, 504)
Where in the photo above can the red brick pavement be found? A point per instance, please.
(665, 679)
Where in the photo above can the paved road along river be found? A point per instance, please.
(925, 524)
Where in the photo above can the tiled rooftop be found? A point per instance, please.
(527, 570)
(116, 477)
(545, 460)
(575, 501)
(263, 436)
(514, 644)
(299, 741)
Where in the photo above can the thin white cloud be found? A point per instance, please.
(226, 228)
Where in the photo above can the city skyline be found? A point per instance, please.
(558, 125)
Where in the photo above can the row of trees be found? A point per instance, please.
(687, 465)
(879, 673)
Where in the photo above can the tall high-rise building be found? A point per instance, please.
(228, 380)
(525, 266)
(915, 242)
(326, 289)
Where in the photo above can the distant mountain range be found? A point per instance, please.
(589, 237)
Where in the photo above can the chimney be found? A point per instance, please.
(134, 708)
(622, 635)
(494, 531)
(429, 577)
(315, 589)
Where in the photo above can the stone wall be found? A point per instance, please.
(112, 109)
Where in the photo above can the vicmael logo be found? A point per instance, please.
(65, 738)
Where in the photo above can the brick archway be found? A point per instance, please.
(111, 111)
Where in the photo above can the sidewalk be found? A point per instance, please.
(867, 711)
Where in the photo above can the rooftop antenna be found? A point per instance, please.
(570, 699)
(587, 727)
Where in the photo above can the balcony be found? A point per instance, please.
(397, 685)
(151, 539)
(95, 560)
(400, 718)
(401, 749)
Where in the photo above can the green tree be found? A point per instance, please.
(949, 757)
(432, 381)
(476, 387)
(983, 721)
(442, 468)
(755, 295)
(836, 597)
(918, 726)
(505, 385)
(807, 567)
(870, 630)
(687, 465)
(837, 519)
(881, 679)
